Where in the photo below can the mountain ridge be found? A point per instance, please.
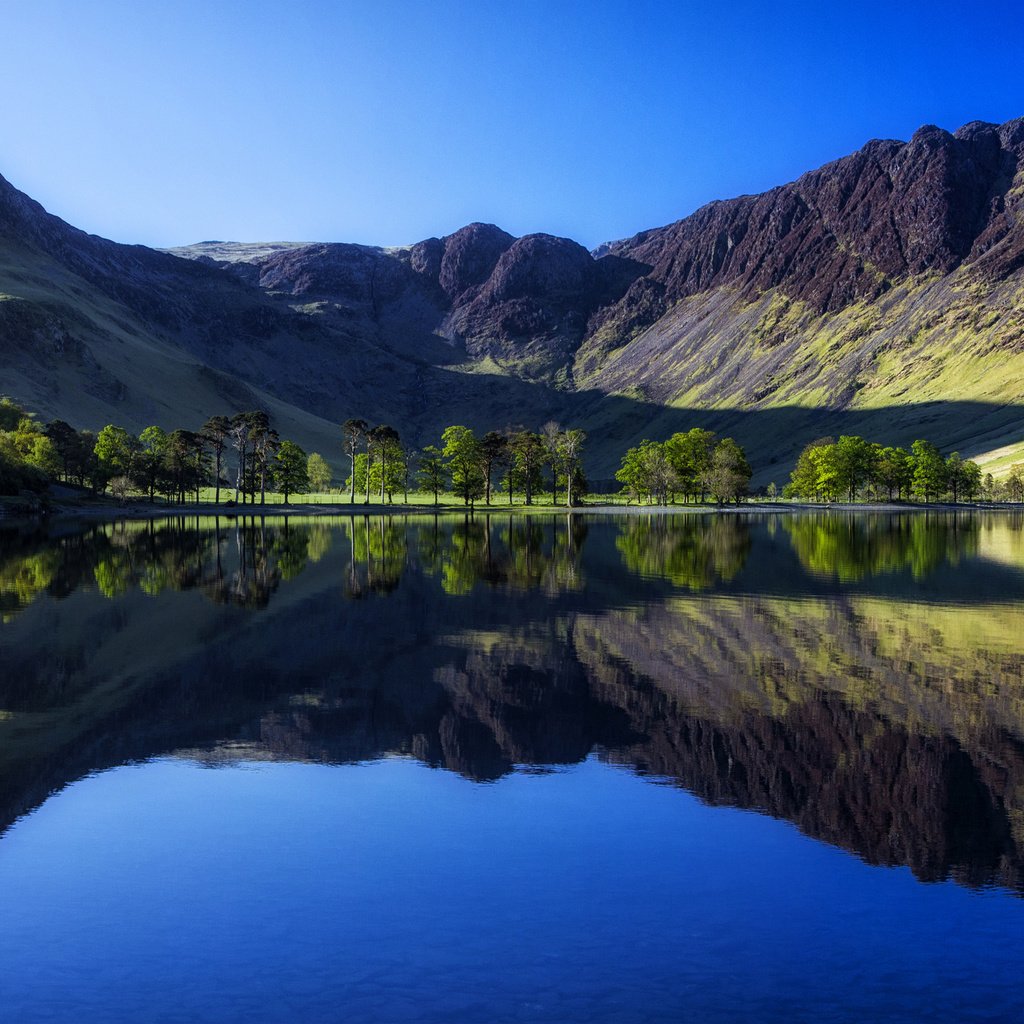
(884, 278)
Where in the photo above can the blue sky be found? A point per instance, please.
(389, 121)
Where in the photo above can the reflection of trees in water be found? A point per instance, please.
(257, 574)
(234, 562)
(23, 578)
(523, 553)
(692, 551)
(378, 547)
(113, 558)
(855, 547)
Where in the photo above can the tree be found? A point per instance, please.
(264, 440)
(527, 451)
(689, 456)
(1015, 483)
(854, 461)
(43, 456)
(433, 472)
(153, 444)
(67, 444)
(353, 432)
(462, 458)
(550, 433)
(971, 480)
(829, 480)
(929, 471)
(730, 473)
(385, 460)
(185, 462)
(955, 475)
(893, 470)
(570, 455)
(240, 428)
(215, 432)
(493, 451)
(632, 474)
(647, 472)
(115, 450)
(357, 481)
(318, 471)
(803, 480)
(289, 469)
(11, 414)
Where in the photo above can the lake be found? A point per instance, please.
(718, 767)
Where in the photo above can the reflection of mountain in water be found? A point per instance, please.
(893, 730)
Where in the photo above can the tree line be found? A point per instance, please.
(174, 465)
(515, 461)
(851, 467)
(245, 455)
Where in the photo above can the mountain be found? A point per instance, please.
(880, 294)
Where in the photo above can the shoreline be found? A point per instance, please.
(65, 515)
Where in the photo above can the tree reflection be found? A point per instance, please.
(852, 548)
(378, 548)
(695, 552)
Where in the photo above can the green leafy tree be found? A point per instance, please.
(150, 463)
(929, 471)
(66, 442)
(186, 463)
(493, 453)
(385, 449)
(646, 472)
(264, 440)
(318, 471)
(970, 483)
(433, 472)
(461, 451)
(216, 432)
(632, 474)
(954, 475)
(803, 480)
(689, 455)
(358, 480)
(11, 414)
(854, 461)
(115, 450)
(894, 471)
(289, 469)
(1014, 484)
(570, 460)
(42, 455)
(527, 451)
(240, 433)
(354, 433)
(828, 472)
(550, 434)
(729, 475)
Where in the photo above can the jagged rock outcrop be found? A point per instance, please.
(849, 229)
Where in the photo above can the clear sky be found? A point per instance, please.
(387, 121)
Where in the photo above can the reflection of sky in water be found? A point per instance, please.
(390, 892)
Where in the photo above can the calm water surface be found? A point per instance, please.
(719, 768)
